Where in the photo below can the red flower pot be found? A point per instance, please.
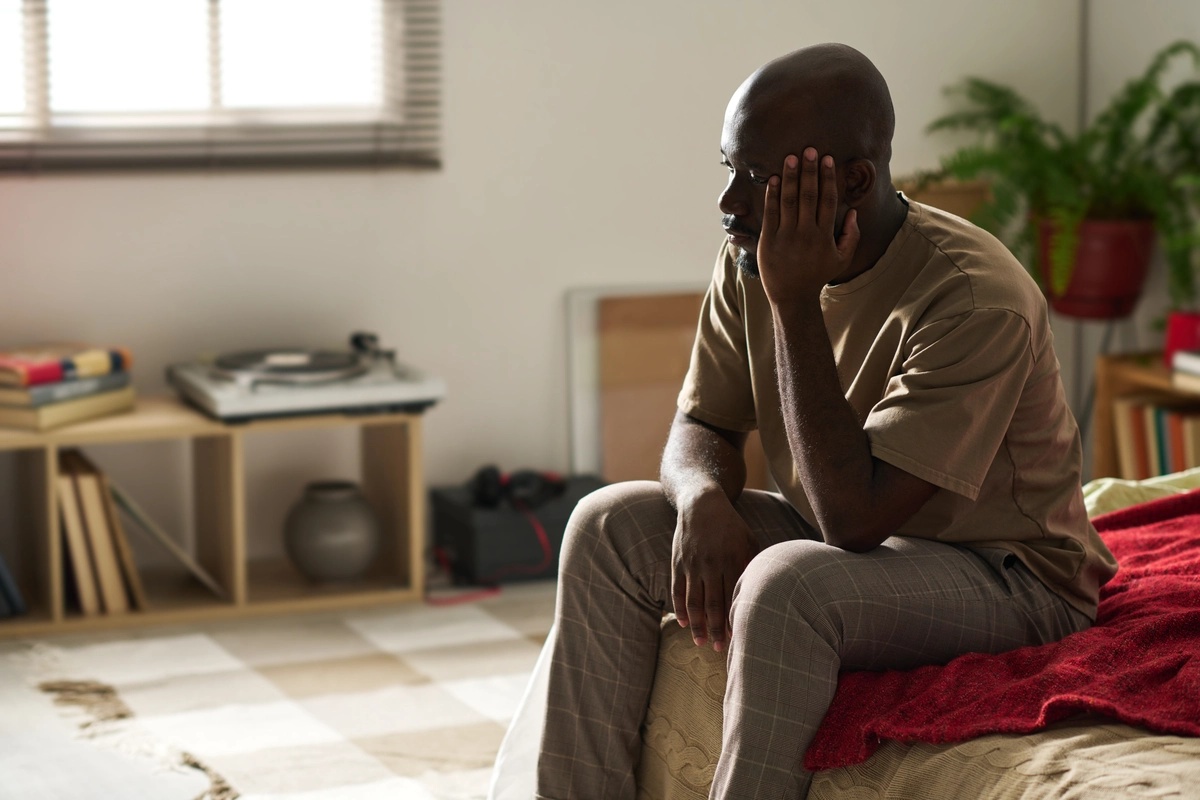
(1111, 262)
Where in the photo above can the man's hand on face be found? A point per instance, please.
(711, 549)
(799, 251)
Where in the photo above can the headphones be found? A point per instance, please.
(523, 489)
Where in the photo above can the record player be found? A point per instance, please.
(241, 386)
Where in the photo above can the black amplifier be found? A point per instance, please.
(507, 542)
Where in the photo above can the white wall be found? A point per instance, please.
(581, 149)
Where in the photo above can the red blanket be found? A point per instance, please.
(1139, 664)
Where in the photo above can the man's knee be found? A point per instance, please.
(794, 578)
(617, 517)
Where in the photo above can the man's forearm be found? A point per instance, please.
(699, 460)
(830, 448)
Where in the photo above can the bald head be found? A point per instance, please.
(829, 96)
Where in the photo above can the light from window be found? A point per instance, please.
(147, 83)
(128, 55)
(315, 58)
(12, 72)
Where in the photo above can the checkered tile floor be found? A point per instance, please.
(403, 702)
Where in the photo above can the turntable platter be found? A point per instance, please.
(288, 366)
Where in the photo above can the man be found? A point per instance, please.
(899, 366)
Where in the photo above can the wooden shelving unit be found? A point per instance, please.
(1117, 376)
(391, 477)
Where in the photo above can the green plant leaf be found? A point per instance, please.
(1139, 158)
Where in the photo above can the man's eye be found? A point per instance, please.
(759, 179)
(727, 165)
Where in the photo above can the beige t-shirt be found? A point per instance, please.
(945, 352)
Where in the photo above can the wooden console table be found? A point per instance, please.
(392, 479)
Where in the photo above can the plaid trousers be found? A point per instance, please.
(801, 611)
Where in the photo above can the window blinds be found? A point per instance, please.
(126, 84)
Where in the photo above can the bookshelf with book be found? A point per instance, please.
(43, 387)
(1135, 389)
(1156, 434)
(80, 531)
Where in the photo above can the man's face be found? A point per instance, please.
(749, 164)
(754, 142)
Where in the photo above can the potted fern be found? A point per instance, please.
(1090, 206)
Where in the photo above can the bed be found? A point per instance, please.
(1076, 745)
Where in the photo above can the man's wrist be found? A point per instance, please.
(797, 309)
(698, 497)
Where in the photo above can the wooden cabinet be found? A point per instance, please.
(1117, 376)
(391, 477)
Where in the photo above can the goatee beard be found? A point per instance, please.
(747, 262)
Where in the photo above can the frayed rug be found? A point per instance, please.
(406, 702)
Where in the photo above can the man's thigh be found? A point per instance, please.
(911, 601)
(634, 519)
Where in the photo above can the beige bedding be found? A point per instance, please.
(1082, 758)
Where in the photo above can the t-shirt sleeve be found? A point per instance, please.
(945, 416)
(717, 388)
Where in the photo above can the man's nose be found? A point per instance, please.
(734, 200)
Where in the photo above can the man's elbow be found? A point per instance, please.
(853, 536)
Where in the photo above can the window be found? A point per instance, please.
(88, 84)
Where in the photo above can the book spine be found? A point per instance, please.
(75, 536)
(1150, 435)
(1126, 448)
(1162, 441)
(1191, 441)
(85, 364)
(49, 393)
(1178, 440)
(30, 374)
(95, 362)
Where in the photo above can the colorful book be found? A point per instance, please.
(1153, 441)
(1130, 418)
(56, 415)
(1191, 440)
(1123, 434)
(46, 393)
(51, 363)
(1177, 438)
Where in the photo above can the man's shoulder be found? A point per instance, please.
(976, 261)
(960, 239)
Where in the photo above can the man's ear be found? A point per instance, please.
(860, 181)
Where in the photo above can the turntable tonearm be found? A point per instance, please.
(254, 384)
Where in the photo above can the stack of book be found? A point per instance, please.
(57, 384)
